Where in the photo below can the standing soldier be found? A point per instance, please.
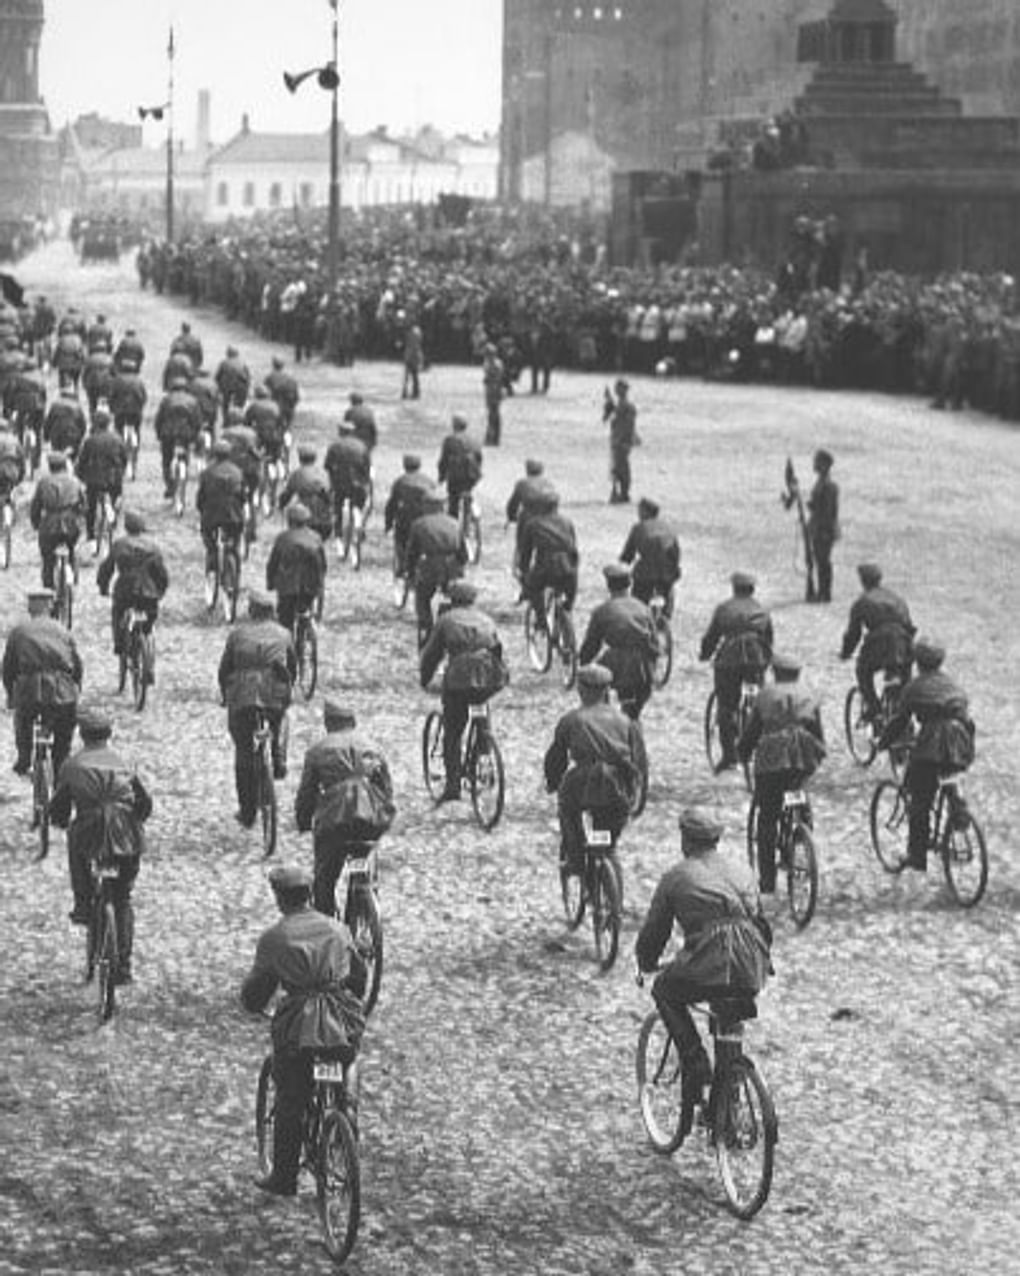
(460, 463)
(493, 374)
(622, 417)
(823, 523)
(414, 358)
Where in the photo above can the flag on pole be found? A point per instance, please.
(170, 43)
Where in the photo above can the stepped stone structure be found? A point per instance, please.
(29, 162)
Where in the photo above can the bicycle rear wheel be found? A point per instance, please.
(859, 738)
(663, 666)
(573, 895)
(106, 960)
(308, 659)
(338, 1181)
(42, 791)
(889, 821)
(802, 875)
(473, 535)
(713, 749)
(139, 687)
(268, 813)
(230, 586)
(745, 1132)
(964, 858)
(365, 925)
(6, 537)
(432, 765)
(265, 1116)
(488, 781)
(605, 913)
(660, 1085)
(538, 640)
(180, 493)
(566, 647)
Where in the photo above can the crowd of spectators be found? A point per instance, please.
(521, 278)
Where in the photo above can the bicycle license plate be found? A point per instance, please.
(795, 797)
(360, 867)
(328, 1072)
(592, 835)
(477, 711)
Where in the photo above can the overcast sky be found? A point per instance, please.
(402, 62)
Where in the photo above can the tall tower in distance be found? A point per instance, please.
(29, 164)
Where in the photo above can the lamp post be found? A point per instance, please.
(157, 112)
(328, 78)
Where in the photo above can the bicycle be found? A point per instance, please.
(42, 783)
(713, 748)
(598, 886)
(102, 957)
(349, 529)
(401, 579)
(795, 852)
(137, 656)
(273, 471)
(265, 784)
(7, 518)
(738, 1119)
(63, 587)
(306, 646)
(663, 667)
(223, 583)
(179, 479)
(105, 525)
(953, 834)
(549, 631)
(469, 516)
(863, 734)
(481, 763)
(358, 887)
(329, 1146)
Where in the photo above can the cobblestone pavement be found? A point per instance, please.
(500, 1129)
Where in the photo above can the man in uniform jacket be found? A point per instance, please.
(310, 485)
(823, 522)
(42, 674)
(109, 804)
(883, 619)
(621, 636)
(129, 350)
(349, 466)
(345, 797)
(101, 464)
(128, 397)
(739, 637)
(436, 554)
(469, 641)
(532, 490)
(622, 417)
(25, 399)
(414, 361)
(405, 504)
(284, 391)
(263, 416)
(12, 460)
(256, 674)
(548, 554)
(141, 577)
(784, 735)
(653, 548)
(178, 424)
(594, 763)
(296, 570)
(99, 335)
(55, 512)
(97, 378)
(244, 450)
(310, 958)
(944, 744)
(460, 463)
(219, 500)
(188, 344)
(233, 380)
(725, 956)
(65, 424)
(69, 358)
(493, 378)
(361, 419)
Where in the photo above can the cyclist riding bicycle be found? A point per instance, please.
(103, 805)
(233, 380)
(207, 396)
(58, 503)
(178, 367)
(284, 391)
(436, 554)
(785, 738)
(296, 569)
(310, 485)
(548, 555)
(460, 463)
(594, 764)
(263, 416)
(12, 461)
(653, 548)
(244, 451)
(188, 344)
(177, 424)
(42, 675)
(97, 378)
(220, 501)
(725, 959)
(128, 397)
(360, 417)
(312, 960)
(99, 336)
(65, 426)
(256, 674)
(738, 640)
(621, 636)
(944, 745)
(349, 466)
(475, 670)
(529, 493)
(883, 618)
(405, 504)
(141, 577)
(345, 798)
(101, 465)
(25, 400)
(69, 357)
(129, 350)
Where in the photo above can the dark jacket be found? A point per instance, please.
(606, 744)
(258, 666)
(263, 416)
(297, 563)
(57, 505)
(653, 548)
(740, 633)
(102, 460)
(530, 493)
(348, 464)
(823, 511)
(139, 566)
(884, 619)
(405, 500)
(470, 641)
(621, 635)
(65, 426)
(178, 419)
(310, 486)
(346, 793)
(41, 665)
(784, 732)
(128, 397)
(219, 498)
(548, 542)
(109, 802)
(946, 731)
(460, 460)
(436, 548)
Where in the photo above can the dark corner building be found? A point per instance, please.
(708, 126)
(29, 161)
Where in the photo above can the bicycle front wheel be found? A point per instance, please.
(663, 666)
(473, 537)
(338, 1180)
(308, 660)
(802, 875)
(5, 539)
(139, 669)
(859, 738)
(572, 892)
(268, 814)
(365, 925)
(488, 782)
(713, 749)
(106, 960)
(964, 859)
(432, 765)
(660, 1085)
(605, 913)
(230, 586)
(265, 1116)
(746, 1130)
(42, 791)
(537, 640)
(180, 494)
(889, 821)
(566, 646)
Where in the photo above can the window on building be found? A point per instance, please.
(248, 197)
(222, 195)
(275, 195)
